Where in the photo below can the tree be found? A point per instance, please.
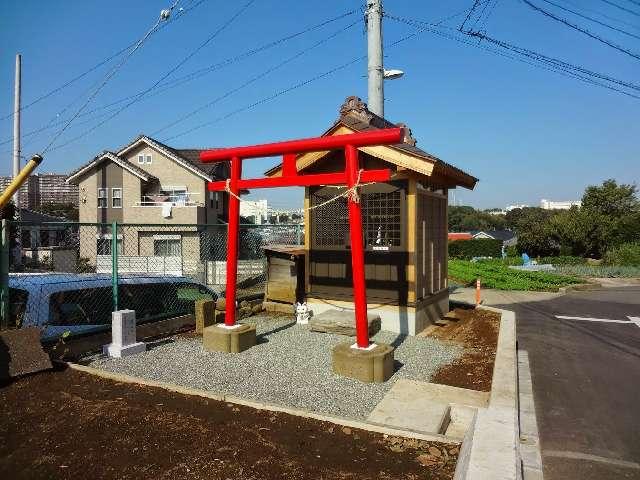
(611, 199)
(67, 211)
(466, 218)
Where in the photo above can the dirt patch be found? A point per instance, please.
(69, 424)
(477, 331)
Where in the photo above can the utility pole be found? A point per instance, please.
(16, 122)
(375, 68)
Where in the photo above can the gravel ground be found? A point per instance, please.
(290, 366)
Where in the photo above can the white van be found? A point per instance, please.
(60, 302)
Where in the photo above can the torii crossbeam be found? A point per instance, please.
(350, 178)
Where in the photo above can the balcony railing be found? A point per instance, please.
(177, 200)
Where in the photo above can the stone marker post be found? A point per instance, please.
(123, 335)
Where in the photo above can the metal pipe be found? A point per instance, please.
(17, 182)
(357, 249)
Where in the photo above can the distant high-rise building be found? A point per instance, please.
(43, 188)
(255, 210)
(54, 189)
(28, 194)
(549, 205)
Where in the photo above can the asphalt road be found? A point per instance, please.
(586, 382)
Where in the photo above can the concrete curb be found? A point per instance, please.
(490, 446)
(221, 397)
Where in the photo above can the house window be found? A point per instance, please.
(103, 246)
(140, 159)
(102, 198)
(144, 158)
(167, 247)
(116, 197)
(147, 158)
(214, 201)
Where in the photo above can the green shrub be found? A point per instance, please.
(512, 251)
(482, 247)
(627, 254)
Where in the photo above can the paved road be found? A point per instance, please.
(586, 382)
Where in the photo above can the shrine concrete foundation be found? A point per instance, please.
(374, 364)
(407, 320)
(219, 338)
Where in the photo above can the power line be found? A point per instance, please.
(165, 86)
(592, 19)
(586, 32)
(531, 58)
(603, 15)
(110, 75)
(621, 8)
(473, 8)
(138, 97)
(256, 78)
(488, 13)
(99, 64)
(291, 88)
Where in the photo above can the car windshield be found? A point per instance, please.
(151, 302)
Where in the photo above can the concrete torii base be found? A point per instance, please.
(374, 364)
(236, 339)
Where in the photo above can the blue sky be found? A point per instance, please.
(525, 132)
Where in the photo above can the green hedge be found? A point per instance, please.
(482, 247)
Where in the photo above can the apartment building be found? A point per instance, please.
(44, 188)
(28, 194)
(53, 188)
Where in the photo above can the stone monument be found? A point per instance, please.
(123, 335)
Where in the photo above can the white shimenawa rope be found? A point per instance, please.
(350, 193)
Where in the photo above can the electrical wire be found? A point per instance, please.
(531, 58)
(108, 77)
(165, 86)
(621, 8)
(256, 78)
(473, 8)
(592, 19)
(290, 88)
(99, 64)
(220, 29)
(603, 15)
(585, 32)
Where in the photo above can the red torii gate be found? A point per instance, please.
(351, 178)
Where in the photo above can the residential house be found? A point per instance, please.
(507, 237)
(160, 194)
(456, 236)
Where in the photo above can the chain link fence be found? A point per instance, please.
(71, 276)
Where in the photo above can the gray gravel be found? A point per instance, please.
(290, 366)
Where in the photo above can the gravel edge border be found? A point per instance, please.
(345, 422)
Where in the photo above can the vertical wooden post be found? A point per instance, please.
(232, 242)
(357, 250)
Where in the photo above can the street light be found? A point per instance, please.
(392, 74)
